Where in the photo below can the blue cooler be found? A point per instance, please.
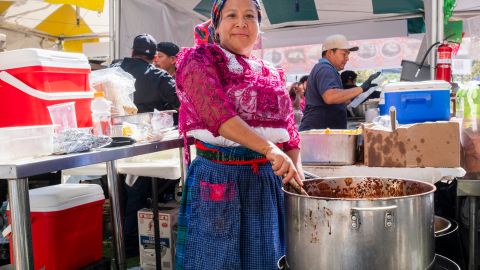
(381, 104)
(418, 102)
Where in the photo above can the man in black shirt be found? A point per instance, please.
(154, 87)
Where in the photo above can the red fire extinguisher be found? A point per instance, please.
(444, 63)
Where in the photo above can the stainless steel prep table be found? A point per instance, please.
(17, 173)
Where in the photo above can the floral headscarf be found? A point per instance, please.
(205, 32)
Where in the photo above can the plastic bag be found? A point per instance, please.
(384, 121)
(162, 120)
(118, 87)
(77, 140)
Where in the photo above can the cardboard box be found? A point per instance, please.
(167, 217)
(431, 144)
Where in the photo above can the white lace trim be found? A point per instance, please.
(233, 65)
(275, 135)
(256, 66)
(272, 68)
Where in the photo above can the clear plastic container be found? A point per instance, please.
(101, 115)
(63, 116)
(148, 126)
(25, 142)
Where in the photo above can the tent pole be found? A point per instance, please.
(111, 30)
(114, 25)
(431, 21)
(440, 18)
(434, 31)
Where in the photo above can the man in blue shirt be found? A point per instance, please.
(326, 97)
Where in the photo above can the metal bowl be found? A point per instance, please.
(441, 225)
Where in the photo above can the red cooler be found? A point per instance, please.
(66, 226)
(32, 79)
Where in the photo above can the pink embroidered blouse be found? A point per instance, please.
(214, 85)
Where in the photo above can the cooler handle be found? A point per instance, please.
(416, 99)
(8, 78)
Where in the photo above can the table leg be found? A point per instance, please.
(21, 225)
(156, 225)
(117, 220)
(472, 254)
(184, 163)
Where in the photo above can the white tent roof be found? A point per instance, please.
(174, 21)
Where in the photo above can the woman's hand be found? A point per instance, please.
(237, 130)
(299, 91)
(282, 165)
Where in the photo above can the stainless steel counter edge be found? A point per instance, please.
(28, 167)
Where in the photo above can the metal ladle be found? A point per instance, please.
(298, 188)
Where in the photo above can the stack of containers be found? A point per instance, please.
(32, 79)
(66, 226)
(418, 102)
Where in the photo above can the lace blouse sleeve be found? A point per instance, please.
(200, 82)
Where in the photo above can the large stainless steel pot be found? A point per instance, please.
(360, 223)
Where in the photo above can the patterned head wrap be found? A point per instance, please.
(205, 32)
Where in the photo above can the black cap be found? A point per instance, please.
(145, 44)
(168, 48)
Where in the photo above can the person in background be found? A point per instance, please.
(349, 79)
(326, 97)
(232, 213)
(303, 83)
(154, 89)
(297, 97)
(298, 101)
(167, 56)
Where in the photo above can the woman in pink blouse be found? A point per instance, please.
(237, 107)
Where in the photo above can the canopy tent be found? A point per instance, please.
(53, 24)
(285, 22)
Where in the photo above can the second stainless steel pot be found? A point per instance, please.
(328, 147)
(360, 223)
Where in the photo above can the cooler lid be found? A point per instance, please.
(64, 196)
(416, 86)
(38, 57)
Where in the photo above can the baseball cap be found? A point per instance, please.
(168, 48)
(337, 42)
(145, 44)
